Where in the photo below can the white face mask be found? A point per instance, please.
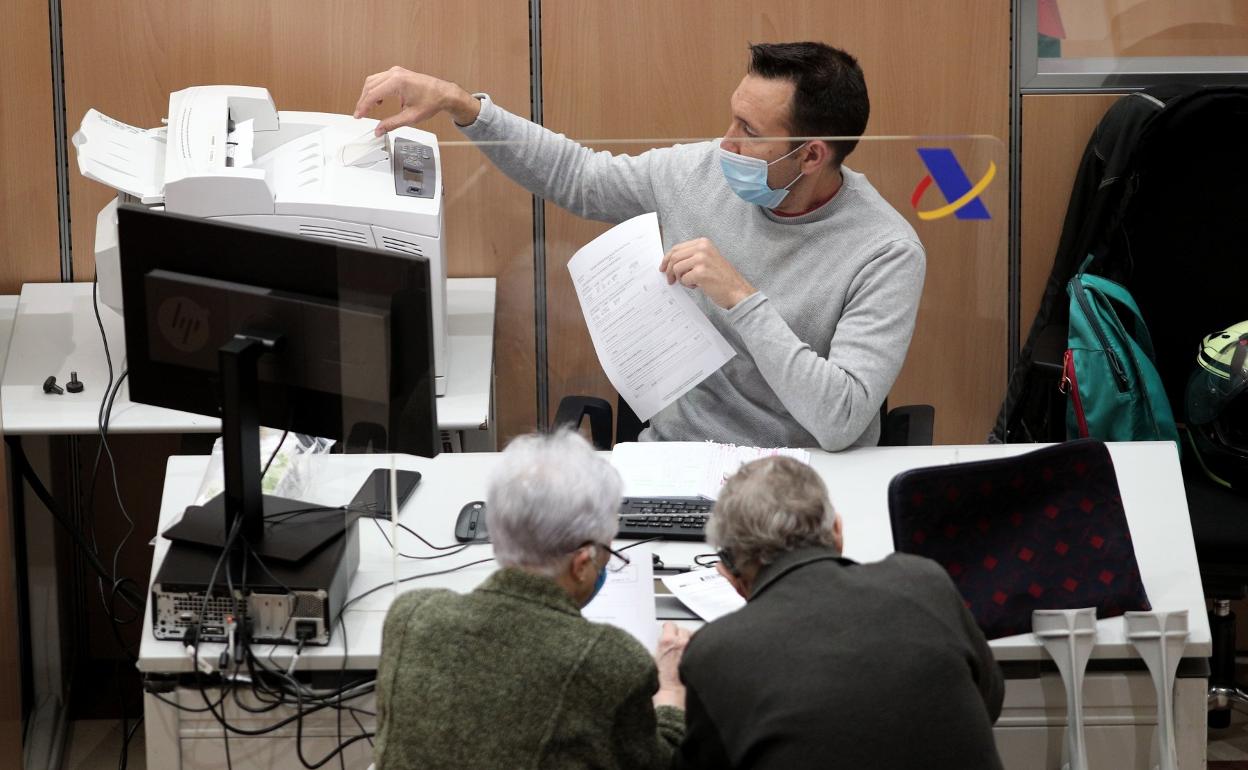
(748, 177)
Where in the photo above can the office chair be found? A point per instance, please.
(904, 426)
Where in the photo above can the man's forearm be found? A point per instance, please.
(558, 169)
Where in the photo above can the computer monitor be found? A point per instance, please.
(259, 327)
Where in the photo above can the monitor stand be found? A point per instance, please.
(290, 538)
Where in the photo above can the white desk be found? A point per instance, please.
(55, 332)
(51, 329)
(1119, 703)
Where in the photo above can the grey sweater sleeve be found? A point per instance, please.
(837, 395)
(593, 185)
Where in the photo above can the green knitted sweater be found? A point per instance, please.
(511, 676)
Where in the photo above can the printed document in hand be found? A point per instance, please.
(704, 591)
(685, 468)
(627, 599)
(652, 340)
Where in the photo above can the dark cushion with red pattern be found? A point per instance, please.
(1041, 530)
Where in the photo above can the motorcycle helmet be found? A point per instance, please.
(1217, 406)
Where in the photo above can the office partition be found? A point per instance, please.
(950, 189)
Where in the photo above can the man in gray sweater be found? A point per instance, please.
(813, 278)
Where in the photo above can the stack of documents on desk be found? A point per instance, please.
(685, 468)
(653, 342)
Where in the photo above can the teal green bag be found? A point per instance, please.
(1113, 388)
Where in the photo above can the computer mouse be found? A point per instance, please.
(470, 526)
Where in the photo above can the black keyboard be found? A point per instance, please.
(669, 518)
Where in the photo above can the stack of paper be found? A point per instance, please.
(685, 468)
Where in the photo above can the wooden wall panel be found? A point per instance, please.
(29, 239)
(123, 58)
(1056, 128)
(29, 251)
(650, 68)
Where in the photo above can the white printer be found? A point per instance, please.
(226, 153)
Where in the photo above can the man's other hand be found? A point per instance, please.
(420, 97)
(699, 265)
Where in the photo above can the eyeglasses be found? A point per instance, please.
(616, 562)
(725, 556)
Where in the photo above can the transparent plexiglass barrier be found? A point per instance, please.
(949, 192)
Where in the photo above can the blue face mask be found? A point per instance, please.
(748, 177)
(602, 579)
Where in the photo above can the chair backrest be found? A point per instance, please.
(627, 426)
(1041, 530)
(904, 426)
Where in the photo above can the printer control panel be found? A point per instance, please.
(414, 168)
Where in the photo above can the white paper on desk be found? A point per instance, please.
(685, 468)
(122, 156)
(704, 591)
(652, 340)
(627, 599)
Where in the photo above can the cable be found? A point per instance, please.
(452, 549)
(125, 729)
(112, 464)
(125, 743)
(640, 542)
(363, 731)
(27, 472)
(225, 737)
(103, 418)
(273, 456)
(410, 578)
(305, 701)
(226, 727)
(176, 705)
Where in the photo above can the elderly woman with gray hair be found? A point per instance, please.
(511, 675)
(831, 663)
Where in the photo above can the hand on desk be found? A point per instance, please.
(699, 265)
(420, 97)
(671, 647)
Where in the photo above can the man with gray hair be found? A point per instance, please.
(831, 663)
(511, 674)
